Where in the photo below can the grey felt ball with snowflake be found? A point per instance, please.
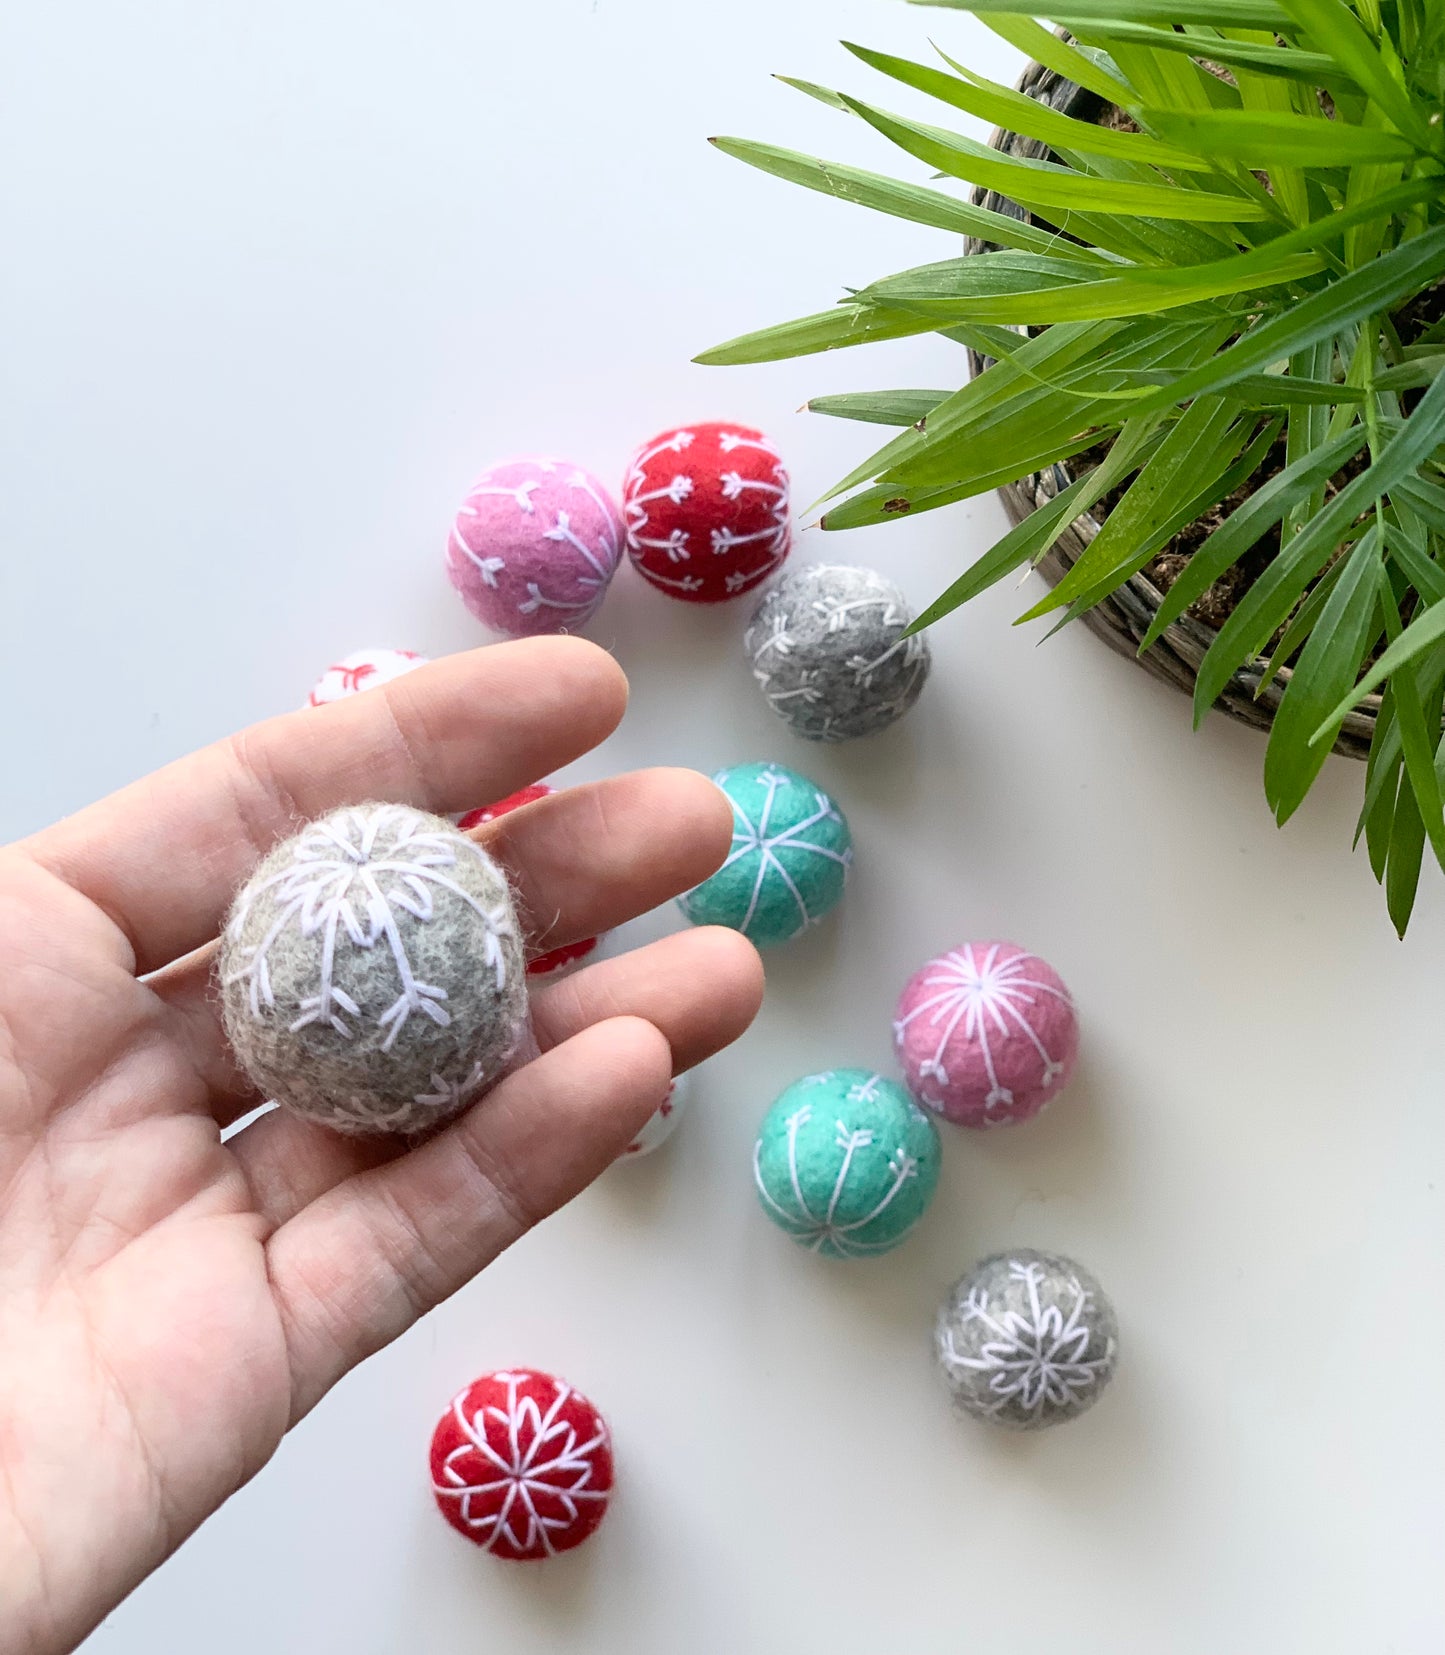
(1026, 1339)
(826, 645)
(372, 971)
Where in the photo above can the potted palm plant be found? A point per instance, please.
(1202, 295)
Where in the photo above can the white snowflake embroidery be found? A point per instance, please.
(451, 1096)
(531, 1458)
(821, 1232)
(753, 839)
(1036, 1360)
(990, 997)
(350, 877)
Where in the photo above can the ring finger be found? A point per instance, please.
(700, 989)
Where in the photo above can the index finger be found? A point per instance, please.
(163, 856)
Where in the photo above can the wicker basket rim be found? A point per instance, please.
(1200, 634)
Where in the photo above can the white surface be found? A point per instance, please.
(279, 279)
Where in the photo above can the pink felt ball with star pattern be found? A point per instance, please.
(707, 508)
(534, 547)
(986, 1034)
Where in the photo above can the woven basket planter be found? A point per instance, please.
(1124, 617)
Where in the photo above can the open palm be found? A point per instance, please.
(170, 1304)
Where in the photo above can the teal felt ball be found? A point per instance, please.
(846, 1162)
(790, 856)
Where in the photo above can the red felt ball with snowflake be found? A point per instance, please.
(706, 508)
(555, 959)
(521, 1464)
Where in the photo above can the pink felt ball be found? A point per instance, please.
(986, 1033)
(707, 511)
(534, 546)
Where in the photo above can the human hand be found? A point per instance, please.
(171, 1305)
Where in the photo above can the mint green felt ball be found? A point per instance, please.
(846, 1162)
(789, 860)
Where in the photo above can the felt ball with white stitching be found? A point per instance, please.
(846, 1163)
(707, 509)
(534, 547)
(790, 857)
(661, 1123)
(372, 971)
(363, 669)
(828, 649)
(521, 1465)
(1026, 1339)
(986, 1033)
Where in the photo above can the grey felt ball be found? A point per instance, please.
(1026, 1339)
(826, 646)
(372, 971)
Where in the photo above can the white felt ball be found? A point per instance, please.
(661, 1123)
(363, 669)
(372, 971)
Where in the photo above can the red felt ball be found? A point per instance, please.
(513, 801)
(555, 959)
(521, 1464)
(706, 508)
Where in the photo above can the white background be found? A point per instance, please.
(279, 278)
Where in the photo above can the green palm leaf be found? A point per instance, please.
(1232, 301)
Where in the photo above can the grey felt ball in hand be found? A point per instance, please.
(372, 971)
(1026, 1339)
(826, 646)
